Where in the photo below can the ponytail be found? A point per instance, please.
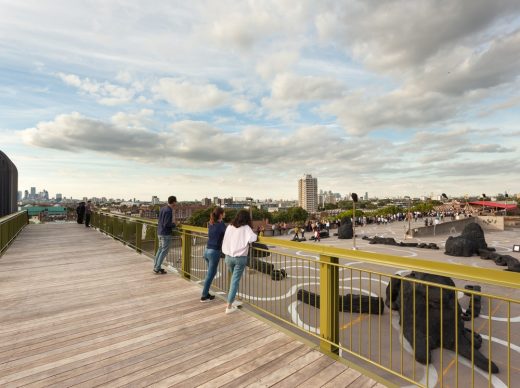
(215, 215)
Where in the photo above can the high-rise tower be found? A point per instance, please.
(8, 186)
(308, 193)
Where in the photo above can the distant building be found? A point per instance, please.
(59, 197)
(50, 211)
(308, 193)
(155, 200)
(8, 186)
(33, 193)
(205, 202)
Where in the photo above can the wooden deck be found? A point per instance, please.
(80, 309)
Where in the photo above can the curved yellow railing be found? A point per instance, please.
(359, 334)
(10, 226)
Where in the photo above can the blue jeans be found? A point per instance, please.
(212, 257)
(164, 247)
(236, 266)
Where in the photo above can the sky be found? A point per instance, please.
(225, 98)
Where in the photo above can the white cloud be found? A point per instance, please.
(74, 132)
(393, 34)
(291, 87)
(106, 93)
(141, 119)
(242, 105)
(277, 63)
(289, 90)
(190, 97)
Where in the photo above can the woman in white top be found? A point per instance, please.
(236, 242)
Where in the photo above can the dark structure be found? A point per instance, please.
(345, 230)
(468, 243)
(349, 302)
(452, 318)
(8, 186)
(502, 260)
(391, 241)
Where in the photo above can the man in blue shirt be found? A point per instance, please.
(165, 225)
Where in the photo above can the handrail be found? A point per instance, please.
(485, 275)
(10, 226)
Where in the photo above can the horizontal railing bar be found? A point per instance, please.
(470, 273)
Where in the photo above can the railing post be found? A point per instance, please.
(186, 254)
(3, 236)
(125, 231)
(329, 304)
(138, 237)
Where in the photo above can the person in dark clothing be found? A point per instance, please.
(80, 211)
(216, 230)
(165, 226)
(88, 213)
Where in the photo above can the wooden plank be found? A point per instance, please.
(207, 360)
(324, 375)
(362, 382)
(112, 364)
(270, 351)
(344, 379)
(305, 373)
(91, 312)
(252, 364)
(258, 371)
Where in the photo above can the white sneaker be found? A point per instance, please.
(237, 303)
(231, 310)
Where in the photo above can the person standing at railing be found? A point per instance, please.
(88, 213)
(216, 231)
(236, 242)
(165, 225)
(80, 211)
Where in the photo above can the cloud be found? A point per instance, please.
(486, 148)
(76, 133)
(496, 64)
(141, 119)
(105, 93)
(196, 142)
(291, 87)
(394, 34)
(360, 114)
(190, 97)
(277, 63)
(289, 90)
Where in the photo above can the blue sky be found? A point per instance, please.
(206, 98)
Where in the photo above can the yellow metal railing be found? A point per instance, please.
(10, 226)
(436, 336)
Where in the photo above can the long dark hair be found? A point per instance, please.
(242, 218)
(215, 215)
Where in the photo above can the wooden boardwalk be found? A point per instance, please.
(80, 309)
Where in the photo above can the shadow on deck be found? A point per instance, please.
(78, 308)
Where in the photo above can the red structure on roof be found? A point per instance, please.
(497, 205)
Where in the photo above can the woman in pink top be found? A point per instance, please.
(236, 242)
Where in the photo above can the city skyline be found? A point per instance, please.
(240, 99)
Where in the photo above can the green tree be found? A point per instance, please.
(423, 207)
(261, 214)
(348, 213)
(296, 214)
(200, 217)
